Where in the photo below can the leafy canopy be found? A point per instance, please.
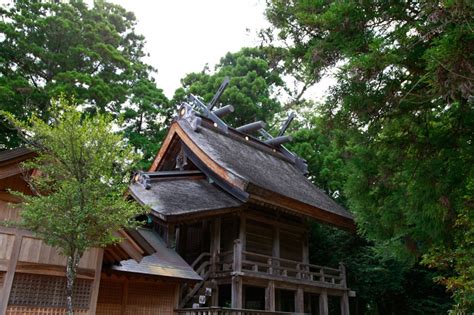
(252, 90)
(402, 116)
(81, 172)
(50, 48)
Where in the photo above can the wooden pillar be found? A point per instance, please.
(299, 300)
(96, 284)
(270, 296)
(345, 304)
(237, 263)
(215, 293)
(215, 243)
(171, 236)
(11, 268)
(236, 292)
(323, 303)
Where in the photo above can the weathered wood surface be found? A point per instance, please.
(119, 296)
(228, 311)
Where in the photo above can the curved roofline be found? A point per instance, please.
(255, 192)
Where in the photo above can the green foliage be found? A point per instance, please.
(252, 89)
(146, 120)
(82, 171)
(50, 48)
(402, 118)
(383, 286)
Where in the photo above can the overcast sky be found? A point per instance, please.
(183, 35)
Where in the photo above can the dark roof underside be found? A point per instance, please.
(260, 167)
(180, 196)
(164, 263)
(6, 155)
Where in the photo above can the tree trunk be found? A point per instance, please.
(71, 272)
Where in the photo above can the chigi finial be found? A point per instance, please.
(186, 112)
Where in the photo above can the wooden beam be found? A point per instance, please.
(270, 296)
(323, 303)
(259, 194)
(236, 292)
(8, 282)
(299, 300)
(96, 284)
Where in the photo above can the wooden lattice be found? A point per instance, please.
(47, 292)
(28, 310)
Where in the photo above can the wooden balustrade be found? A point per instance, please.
(240, 261)
(226, 311)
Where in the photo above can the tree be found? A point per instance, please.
(147, 120)
(253, 86)
(82, 172)
(403, 108)
(384, 285)
(92, 54)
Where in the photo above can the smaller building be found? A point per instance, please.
(227, 234)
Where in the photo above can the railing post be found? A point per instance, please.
(270, 266)
(342, 269)
(237, 263)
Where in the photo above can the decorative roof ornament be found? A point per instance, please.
(187, 113)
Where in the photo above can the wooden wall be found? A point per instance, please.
(22, 254)
(125, 296)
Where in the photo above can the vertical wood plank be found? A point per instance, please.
(236, 292)
(96, 284)
(323, 303)
(299, 300)
(270, 296)
(124, 297)
(276, 241)
(305, 248)
(7, 284)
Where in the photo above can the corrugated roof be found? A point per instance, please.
(260, 167)
(182, 196)
(164, 263)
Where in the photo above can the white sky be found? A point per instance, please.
(183, 35)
